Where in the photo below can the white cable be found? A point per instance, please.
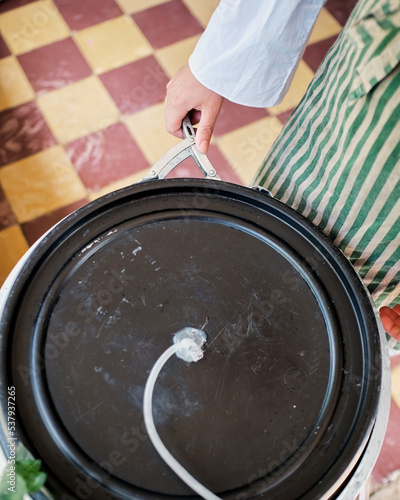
(187, 344)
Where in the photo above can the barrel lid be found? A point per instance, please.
(282, 404)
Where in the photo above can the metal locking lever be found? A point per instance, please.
(187, 147)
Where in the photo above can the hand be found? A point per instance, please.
(186, 94)
(390, 318)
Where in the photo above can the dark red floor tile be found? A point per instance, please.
(34, 229)
(395, 361)
(80, 14)
(54, 65)
(106, 156)
(315, 53)
(222, 166)
(283, 117)
(12, 4)
(188, 168)
(23, 131)
(7, 217)
(341, 9)
(4, 52)
(137, 85)
(167, 23)
(233, 116)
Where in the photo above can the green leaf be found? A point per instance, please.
(29, 470)
(23, 476)
(37, 482)
(12, 486)
(23, 453)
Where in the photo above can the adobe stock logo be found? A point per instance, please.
(103, 297)
(32, 24)
(57, 341)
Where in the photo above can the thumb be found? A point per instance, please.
(206, 125)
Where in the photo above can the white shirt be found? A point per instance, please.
(250, 49)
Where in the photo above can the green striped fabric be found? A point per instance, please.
(337, 159)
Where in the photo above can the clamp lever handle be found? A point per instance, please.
(184, 149)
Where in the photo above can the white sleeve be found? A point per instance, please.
(250, 49)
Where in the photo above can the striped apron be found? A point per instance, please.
(337, 159)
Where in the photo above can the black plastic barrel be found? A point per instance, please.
(284, 403)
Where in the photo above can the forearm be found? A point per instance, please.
(248, 54)
(251, 48)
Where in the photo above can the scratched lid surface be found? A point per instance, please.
(284, 400)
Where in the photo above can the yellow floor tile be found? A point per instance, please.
(246, 147)
(15, 88)
(114, 186)
(13, 245)
(78, 109)
(325, 27)
(148, 130)
(41, 183)
(396, 385)
(297, 89)
(113, 43)
(131, 6)
(202, 10)
(32, 26)
(174, 56)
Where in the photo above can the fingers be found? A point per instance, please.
(177, 103)
(186, 94)
(390, 318)
(195, 116)
(206, 125)
(390, 313)
(173, 119)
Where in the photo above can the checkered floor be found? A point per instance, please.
(82, 84)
